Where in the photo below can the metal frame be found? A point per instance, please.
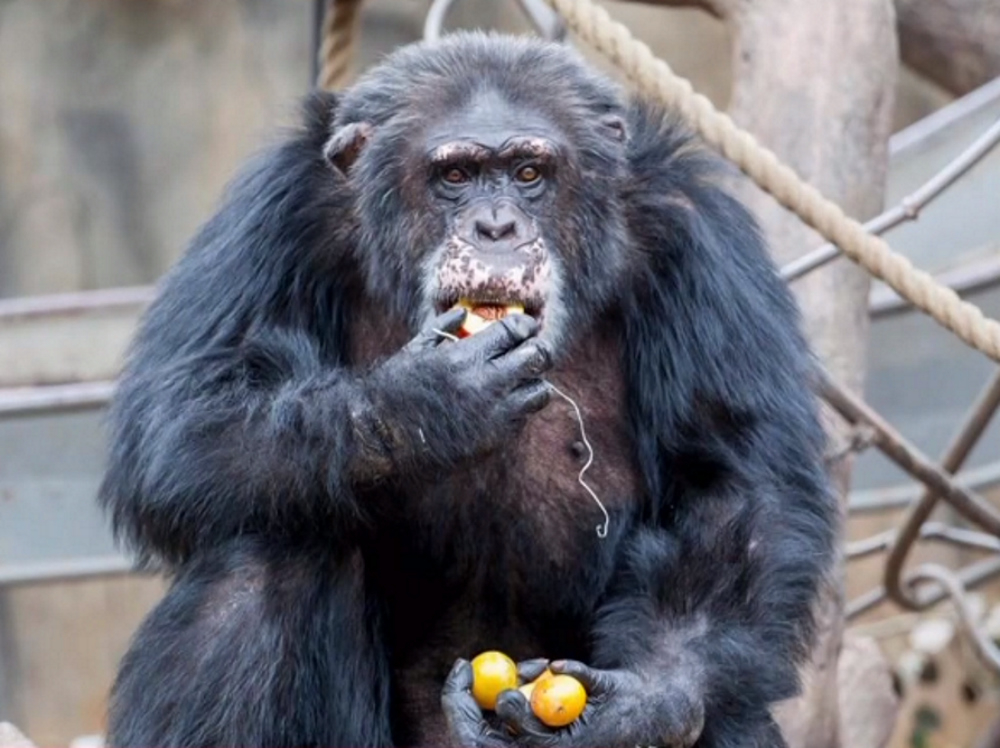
(546, 21)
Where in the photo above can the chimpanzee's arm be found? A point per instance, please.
(716, 594)
(239, 411)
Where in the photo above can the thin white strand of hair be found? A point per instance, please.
(602, 530)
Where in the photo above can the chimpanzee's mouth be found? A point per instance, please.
(482, 312)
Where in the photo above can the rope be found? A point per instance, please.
(339, 37)
(653, 76)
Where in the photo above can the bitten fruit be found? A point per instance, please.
(481, 316)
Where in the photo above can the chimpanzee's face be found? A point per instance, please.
(493, 176)
(493, 196)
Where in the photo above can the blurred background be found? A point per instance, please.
(120, 123)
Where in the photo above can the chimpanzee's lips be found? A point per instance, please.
(484, 312)
(491, 308)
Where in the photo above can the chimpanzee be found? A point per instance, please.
(353, 500)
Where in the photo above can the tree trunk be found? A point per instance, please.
(954, 43)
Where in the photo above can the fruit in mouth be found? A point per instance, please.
(480, 316)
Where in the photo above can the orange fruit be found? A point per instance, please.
(492, 673)
(558, 700)
(527, 688)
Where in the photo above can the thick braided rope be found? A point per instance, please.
(339, 35)
(653, 76)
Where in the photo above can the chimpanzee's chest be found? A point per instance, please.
(505, 554)
(539, 503)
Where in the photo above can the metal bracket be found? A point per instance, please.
(546, 21)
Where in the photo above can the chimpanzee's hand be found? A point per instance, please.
(466, 721)
(623, 709)
(437, 402)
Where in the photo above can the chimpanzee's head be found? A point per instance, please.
(487, 171)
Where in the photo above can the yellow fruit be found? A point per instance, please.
(480, 316)
(559, 700)
(473, 324)
(527, 688)
(492, 673)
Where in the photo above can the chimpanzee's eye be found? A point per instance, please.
(528, 174)
(454, 175)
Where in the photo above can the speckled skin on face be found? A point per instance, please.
(519, 276)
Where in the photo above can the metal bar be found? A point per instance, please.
(19, 401)
(899, 497)
(894, 446)
(546, 21)
(319, 12)
(975, 424)
(54, 571)
(909, 208)
(952, 585)
(434, 21)
(928, 531)
(972, 576)
(549, 24)
(934, 123)
(78, 302)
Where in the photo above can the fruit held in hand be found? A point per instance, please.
(492, 672)
(481, 316)
(528, 688)
(559, 700)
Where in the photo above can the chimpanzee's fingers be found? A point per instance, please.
(460, 678)
(528, 670)
(529, 398)
(515, 711)
(594, 681)
(501, 336)
(430, 335)
(530, 360)
(464, 717)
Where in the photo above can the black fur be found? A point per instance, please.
(308, 598)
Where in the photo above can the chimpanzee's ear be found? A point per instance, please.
(615, 127)
(344, 146)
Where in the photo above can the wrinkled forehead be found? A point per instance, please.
(492, 121)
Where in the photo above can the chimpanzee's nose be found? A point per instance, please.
(495, 230)
(502, 224)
